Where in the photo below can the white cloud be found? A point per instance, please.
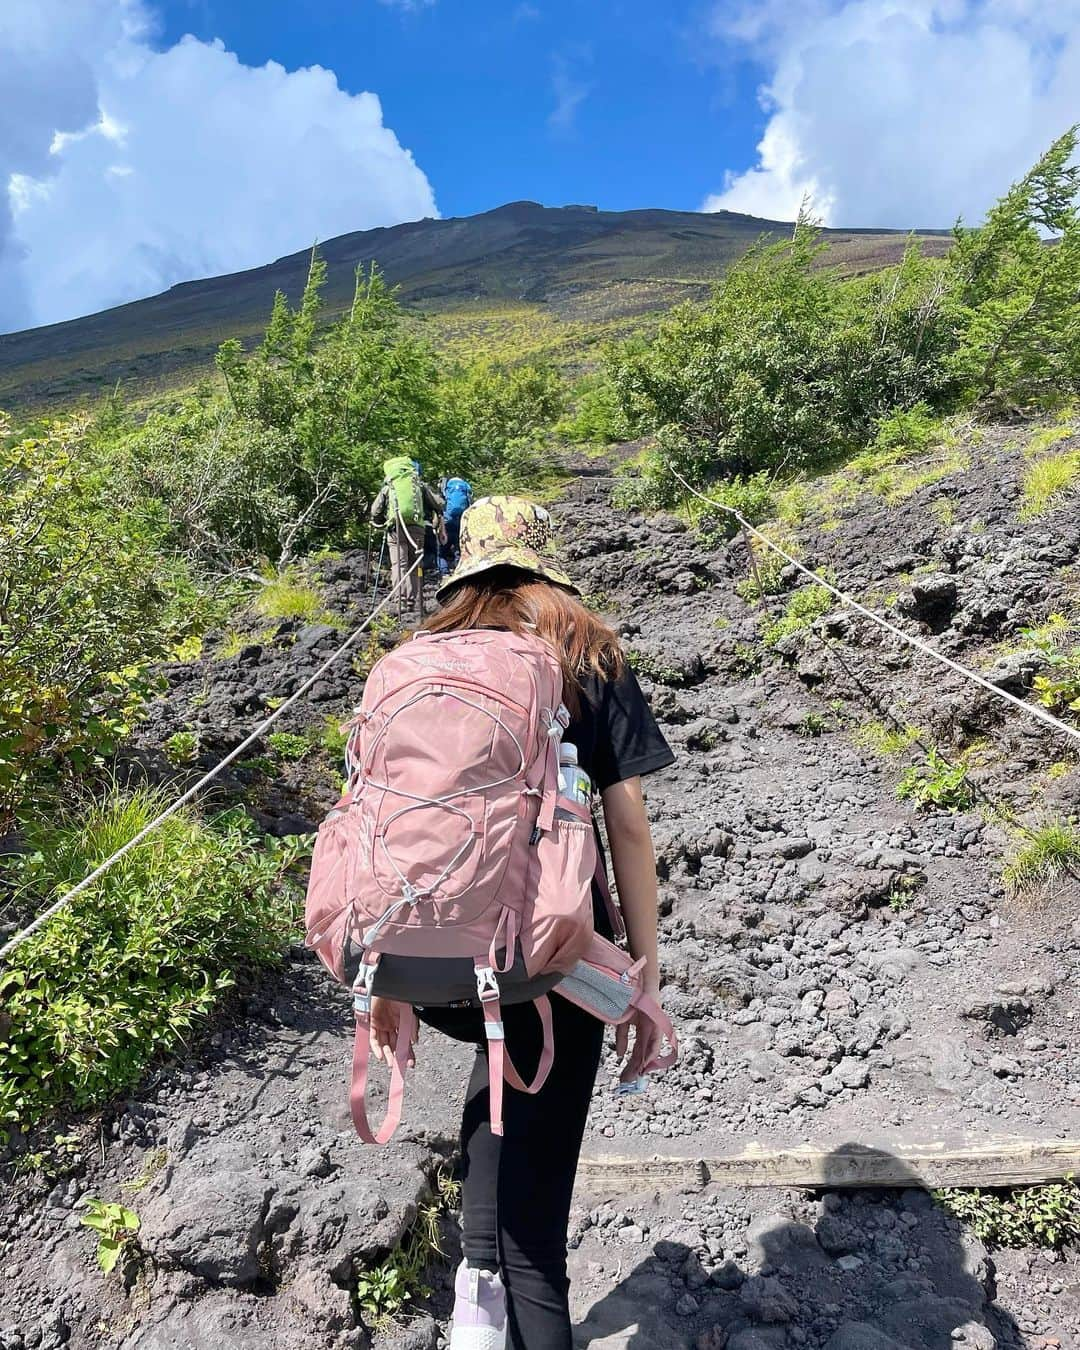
(128, 169)
(901, 112)
(569, 91)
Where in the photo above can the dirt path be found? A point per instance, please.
(842, 969)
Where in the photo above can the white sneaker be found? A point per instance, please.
(479, 1311)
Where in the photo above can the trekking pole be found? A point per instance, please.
(378, 569)
(367, 560)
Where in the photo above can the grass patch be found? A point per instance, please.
(1039, 442)
(234, 640)
(127, 970)
(286, 597)
(1029, 1216)
(943, 511)
(885, 740)
(805, 607)
(1047, 482)
(1043, 857)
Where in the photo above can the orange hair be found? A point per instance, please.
(508, 597)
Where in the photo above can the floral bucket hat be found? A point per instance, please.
(506, 532)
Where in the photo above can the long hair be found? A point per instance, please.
(507, 597)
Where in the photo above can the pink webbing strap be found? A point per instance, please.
(507, 933)
(547, 1055)
(396, 1096)
(618, 927)
(496, 1039)
(501, 1067)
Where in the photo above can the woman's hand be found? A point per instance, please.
(647, 1040)
(385, 1019)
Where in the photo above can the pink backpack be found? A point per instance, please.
(451, 870)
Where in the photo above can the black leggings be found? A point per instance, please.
(516, 1191)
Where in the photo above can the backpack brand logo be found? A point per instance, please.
(462, 667)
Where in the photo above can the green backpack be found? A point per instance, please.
(403, 481)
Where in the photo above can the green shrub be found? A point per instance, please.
(116, 1226)
(1028, 1216)
(936, 783)
(1059, 690)
(288, 745)
(752, 497)
(807, 605)
(181, 747)
(598, 417)
(1043, 856)
(909, 431)
(83, 615)
(126, 971)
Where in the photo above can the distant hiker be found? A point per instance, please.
(460, 880)
(402, 506)
(458, 495)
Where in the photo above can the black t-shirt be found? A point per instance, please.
(617, 738)
(615, 732)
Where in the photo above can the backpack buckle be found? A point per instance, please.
(362, 986)
(487, 986)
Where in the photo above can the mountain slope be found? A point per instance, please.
(577, 260)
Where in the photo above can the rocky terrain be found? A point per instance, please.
(842, 967)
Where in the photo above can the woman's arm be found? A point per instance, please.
(634, 863)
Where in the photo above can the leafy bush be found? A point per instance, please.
(126, 971)
(766, 575)
(181, 747)
(1043, 856)
(83, 615)
(1060, 689)
(806, 606)
(116, 1226)
(936, 783)
(1029, 1216)
(598, 417)
(288, 745)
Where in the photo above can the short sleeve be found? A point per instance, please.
(628, 741)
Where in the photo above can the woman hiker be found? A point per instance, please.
(512, 1287)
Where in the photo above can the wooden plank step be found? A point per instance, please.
(994, 1162)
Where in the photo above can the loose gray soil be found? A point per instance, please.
(842, 969)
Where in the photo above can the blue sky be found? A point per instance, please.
(148, 142)
(613, 102)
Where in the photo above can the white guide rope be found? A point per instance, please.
(46, 914)
(1031, 709)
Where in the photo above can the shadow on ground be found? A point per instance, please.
(865, 1270)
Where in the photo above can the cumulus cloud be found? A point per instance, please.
(124, 168)
(900, 112)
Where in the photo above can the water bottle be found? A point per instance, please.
(574, 783)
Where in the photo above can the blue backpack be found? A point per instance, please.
(458, 498)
